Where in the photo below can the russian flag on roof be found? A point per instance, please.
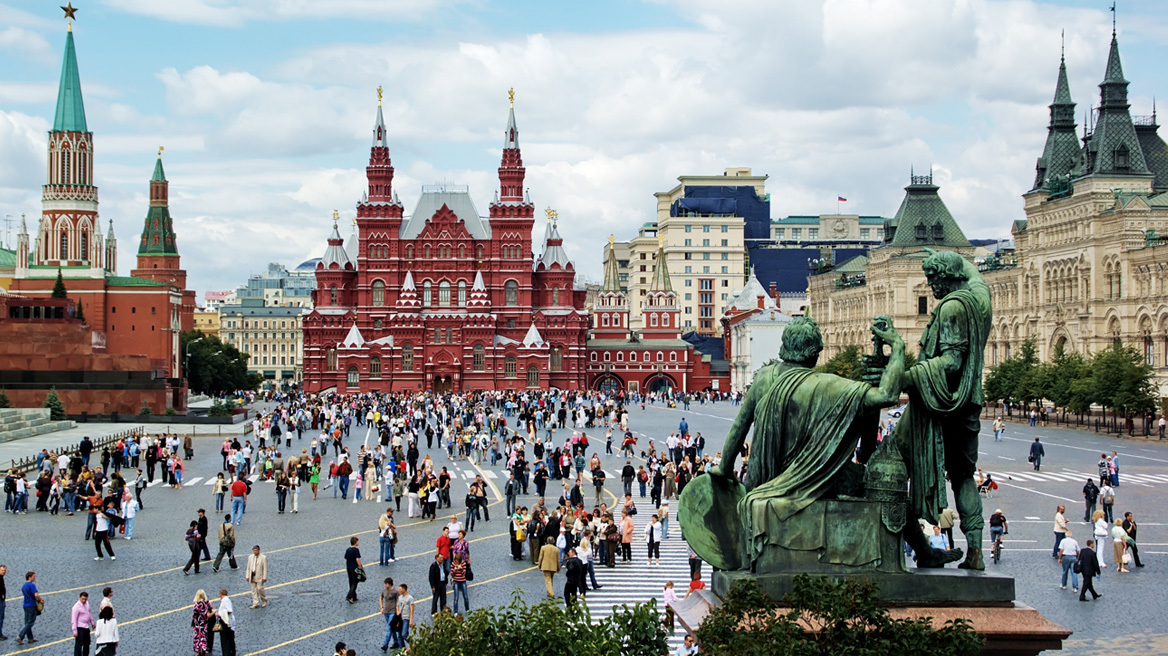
(841, 199)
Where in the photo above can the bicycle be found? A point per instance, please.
(996, 550)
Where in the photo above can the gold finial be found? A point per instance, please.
(511, 96)
(354, 220)
(70, 14)
(552, 215)
(661, 240)
(379, 95)
(611, 239)
(336, 216)
(160, 149)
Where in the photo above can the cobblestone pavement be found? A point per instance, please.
(308, 614)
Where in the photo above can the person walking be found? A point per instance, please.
(105, 632)
(549, 564)
(102, 527)
(256, 573)
(1107, 497)
(81, 621)
(226, 544)
(203, 529)
(1101, 530)
(387, 602)
(200, 615)
(192, 540)
(1119, 540)
(353, 568)
(999, 428)
(1090, 496)
(627, 476)
(219, 490)
(405, 613)
(387, 537)
(225, 619)
(4, 599)
(574, 581)
(33, 603)
(1089, 568)
(1068, 557)
(459, 569)
(1060, 529)
(238, 500)
(437, 585)
(653, 540)
(1036, 454)
(626, 529)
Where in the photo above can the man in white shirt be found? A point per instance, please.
(1068, 555)
(689, 648)
(129, 510)
(226, 614)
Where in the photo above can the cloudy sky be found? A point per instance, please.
(265, 106)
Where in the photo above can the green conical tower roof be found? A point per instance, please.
(661, 282)
(923, 219)
(611, 279)
(1062, 144)
(158, 234)
(70, 115)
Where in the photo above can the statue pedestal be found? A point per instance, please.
(985, 600)
(930, 587)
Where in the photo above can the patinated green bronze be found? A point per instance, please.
(817, 495)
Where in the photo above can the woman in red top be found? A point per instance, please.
(695, 583)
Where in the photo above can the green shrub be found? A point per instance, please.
(53, 403)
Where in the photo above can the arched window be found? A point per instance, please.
(409, 251)
(673, 356)
(479, 251)
(555, 295)
(331, 360)
(65, 172)
(461, 293)
(426, 251)
(509, 367)
(533, 376)
(64, 244)
(632, 356)
(426, 299)
(620, 356)
(378, 293)
(653, 319)
(665, 320)
(660, 356)
(354, 377)
(593, 356)
(557, 358)
(604, 320)
(408, 357)
(333, 295)
(607, 356)
(511, 293)
(461, 251)
(375, 367)
(82, 176)
(480, 357)
(85, 244)
(443, 293)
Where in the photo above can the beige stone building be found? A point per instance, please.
(273, 337)
(1090, 265)
(207, 321)
(705, 252)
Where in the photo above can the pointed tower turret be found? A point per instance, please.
(158, 257)
(659, 311)
(407, 299)
(69, 200)
(511, 201)
(554, 273)
(111, 250)
(22, 247)
(611, 309)
(1114, 148)
(479, 300)
(379, 211)
(1062, 144)
(336, 277)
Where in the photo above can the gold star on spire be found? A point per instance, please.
(160, 149)
(70, 14)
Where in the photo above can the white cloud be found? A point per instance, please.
(26, 44)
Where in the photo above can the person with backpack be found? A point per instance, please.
(1107, 497)
(226, 544)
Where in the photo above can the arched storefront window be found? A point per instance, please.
(408, 357)
(375, 367)
(354, 377)
(533, 376)
(511, 293)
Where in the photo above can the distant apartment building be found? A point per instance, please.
(270, 334)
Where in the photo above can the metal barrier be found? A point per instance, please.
(29, 463)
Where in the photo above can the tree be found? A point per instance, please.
(5, 402)
(59, 287)
(1122, 380)
(846, 363)
(80, 316)
(213, 367)
(545, 628)
(1014, 380)
(847, 618)
(53, 403)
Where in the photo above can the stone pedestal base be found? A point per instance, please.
(1011, 630)
(930, 587)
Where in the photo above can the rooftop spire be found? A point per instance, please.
(158, 236)
(1114, 74)
(159, 174)
(611, 279)
(70, 116)
(661, 282)
(511, 139)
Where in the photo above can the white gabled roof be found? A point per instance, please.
(383, 341)
(533, 339)
(503, 341)
(747, 299)
(354, 339)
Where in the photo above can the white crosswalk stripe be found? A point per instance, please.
(490, 474)
(1077, 478)
(210, 481)
(193, 481)
(633, 582)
